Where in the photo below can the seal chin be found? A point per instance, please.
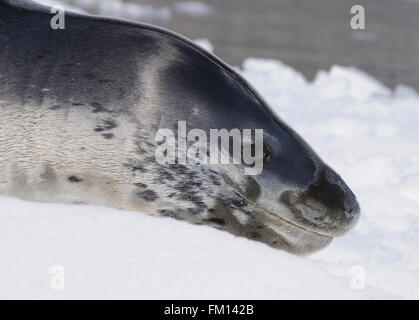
(316, 217)
(297, 239)
(291, 235)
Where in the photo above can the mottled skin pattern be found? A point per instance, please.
(79, 109)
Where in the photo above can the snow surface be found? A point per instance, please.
(364, 130)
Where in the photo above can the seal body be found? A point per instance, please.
(80, 108)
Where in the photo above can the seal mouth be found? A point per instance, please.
(277, 217)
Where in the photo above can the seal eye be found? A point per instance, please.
(267, 153)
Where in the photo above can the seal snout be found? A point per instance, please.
(333, 192)
(327, 206)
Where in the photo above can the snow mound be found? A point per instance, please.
(108, 253)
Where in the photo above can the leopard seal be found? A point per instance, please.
(80, 107)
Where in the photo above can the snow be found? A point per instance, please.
(364, 130)
(116, 254)
(370, 135)
(205, 44)
(194, 8)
